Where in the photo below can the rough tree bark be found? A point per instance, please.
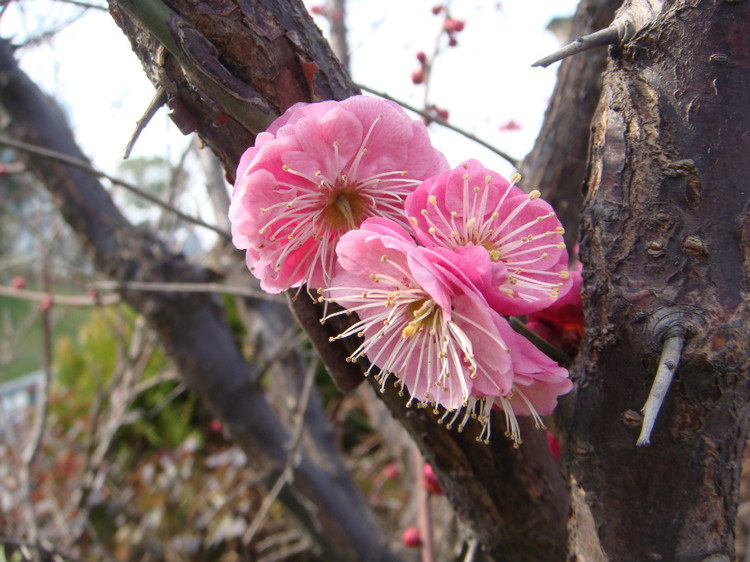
(666, 246)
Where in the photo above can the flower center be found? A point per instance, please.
(344, 207)
(424, 313)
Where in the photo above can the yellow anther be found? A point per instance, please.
(414, 221)
(515, 178)
(432, 200)
(535, 194)
(564, 275)
(408, 331)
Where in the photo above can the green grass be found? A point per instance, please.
(21, 331)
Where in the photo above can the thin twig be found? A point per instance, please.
(83, 165)
(632, 16)
(166, 287)
(504, 155)
(145, 286)
(287, 474)
(471, 552)
(668, 362)
(159, 99)
(427, 550)
(84, 4)
(31, 449)
(64, 300)
(606, 36)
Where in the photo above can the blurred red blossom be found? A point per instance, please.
(510, 125)
(411, 537)
(431, 483)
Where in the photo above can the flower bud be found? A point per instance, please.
(453, 25)
(46, 303)
(430, 482)
(411, 537)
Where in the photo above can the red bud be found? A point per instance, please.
(412, 537)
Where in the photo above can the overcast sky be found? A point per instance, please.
(483, 82)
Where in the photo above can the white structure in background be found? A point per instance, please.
(18, 395)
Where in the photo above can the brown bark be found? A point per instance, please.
(666, 235)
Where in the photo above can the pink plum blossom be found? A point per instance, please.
(420, 318)
(537, 383)
(470, 210)
(319, 171)
(423, 320)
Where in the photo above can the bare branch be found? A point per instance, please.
(633, 16)
(668, 362)
(169, 287)
(159, 99)
(442, 122)
(608, 36)
(85, 166)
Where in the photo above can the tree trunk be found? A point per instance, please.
(666, 247)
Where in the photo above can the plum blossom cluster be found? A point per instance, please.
(351, 199)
